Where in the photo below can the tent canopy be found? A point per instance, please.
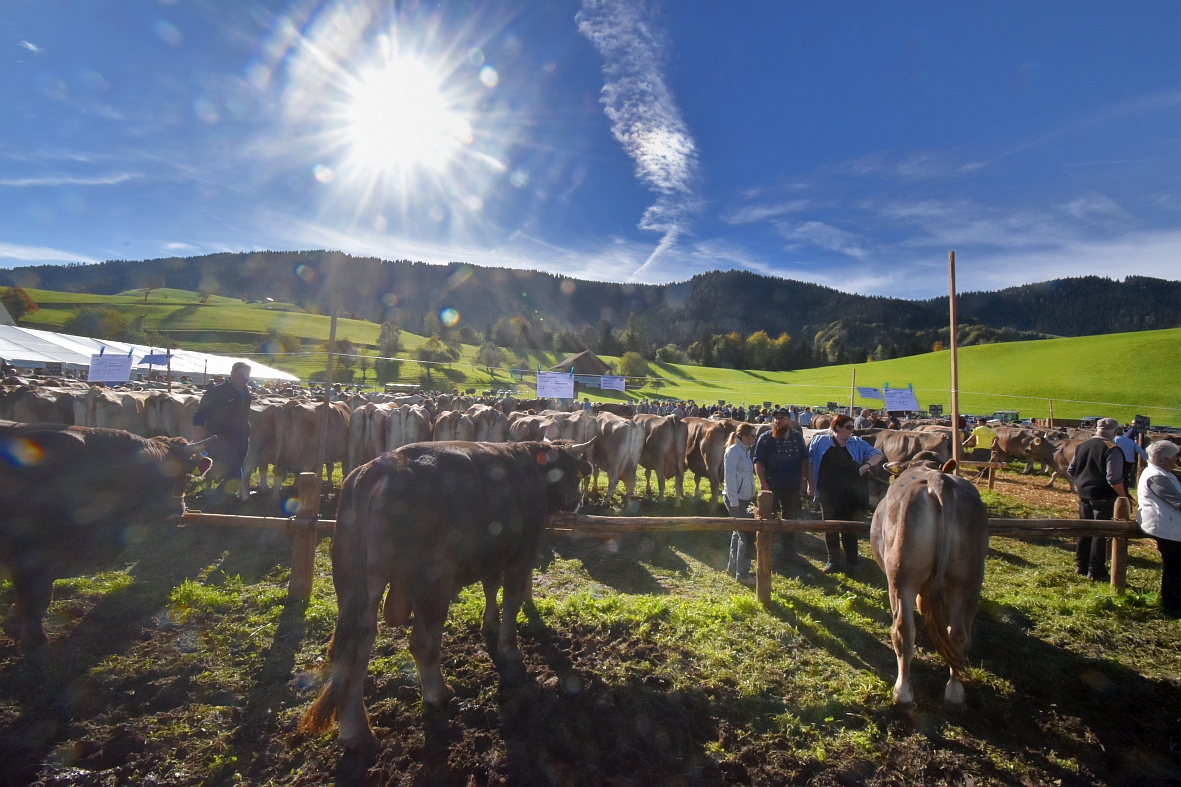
(34, 349)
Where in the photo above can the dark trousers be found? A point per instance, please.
(1170, 575)
(834, 541)
(787, 505)
(1090, 552)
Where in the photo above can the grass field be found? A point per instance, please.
(1119, 374)
(647, 666)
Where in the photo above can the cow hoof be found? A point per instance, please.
(904, 709)
(364, 745)
(31, 644)
(444, 697)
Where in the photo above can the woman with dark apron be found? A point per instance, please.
(840, 462)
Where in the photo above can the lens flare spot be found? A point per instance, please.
(495, 528)
(389, 299)
(449, 317)
(518, 178)
(459, 276)
(168, 33)
(305, 273)
(474, 203)
(323, 174)
(379, 223)
(568, 287)
(437, 213)
(23, 452)
(475, 56)
(291, 506)
(489, 76)
(554, 476)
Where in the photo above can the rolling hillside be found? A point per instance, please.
(1116, 374)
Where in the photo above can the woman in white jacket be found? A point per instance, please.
(1159, 497)
(738, 490)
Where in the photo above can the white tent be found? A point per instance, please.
(34, 349)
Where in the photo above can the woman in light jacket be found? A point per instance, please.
(738, 490)
(1159, 496)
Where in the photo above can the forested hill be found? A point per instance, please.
(717, 302)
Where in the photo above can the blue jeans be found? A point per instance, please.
(741, 543)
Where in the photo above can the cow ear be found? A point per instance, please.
(949, 466)
(893, 468)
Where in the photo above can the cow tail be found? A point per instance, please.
(349, 558)
(935, 612)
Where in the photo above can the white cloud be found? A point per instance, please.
(177, 246)
(31, 47)
(817, 233)
(13, 251)
(67, 180)
(644, 115)
(1097, 207)
(753, 213)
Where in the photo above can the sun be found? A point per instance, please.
(399, 117)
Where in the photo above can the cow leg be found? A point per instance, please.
(355, 732)
(680, 485)
(518, 580)
(426, 640)
(902, 635)
(1028, 469)
(961, 607)
(659, 484)
(491, 624)
(32, 591)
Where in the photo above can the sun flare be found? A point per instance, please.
(399, 117)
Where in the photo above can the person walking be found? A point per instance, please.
(1159, 496)
(738, 490)
(224, 411)
(781, 462)
(1131, 450)
(805, 418)
(1098, 473)
(839, 462)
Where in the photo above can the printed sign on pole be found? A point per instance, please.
(109, 368)
(613, 383)
(869, 393)
(900, 399)
(936, 409)
(555, 385)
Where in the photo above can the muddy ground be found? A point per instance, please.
(138, 687)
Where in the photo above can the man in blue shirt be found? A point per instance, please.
(1131, 450)
(781, 462)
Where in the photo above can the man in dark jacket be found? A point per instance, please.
(781, 462)
(225, 411)
(1098, 473)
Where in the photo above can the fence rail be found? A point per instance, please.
(307, 528)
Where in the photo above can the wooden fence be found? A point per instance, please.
(306, 529)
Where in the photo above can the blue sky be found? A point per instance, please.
(849, 144)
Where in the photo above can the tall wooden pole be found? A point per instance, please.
(1051, 413)
(853, 394)
(956, 437)
(328, 389)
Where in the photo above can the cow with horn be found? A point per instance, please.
(69, 495)
(425, 520)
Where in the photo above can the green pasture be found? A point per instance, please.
(1118, 374)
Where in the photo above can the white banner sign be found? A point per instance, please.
(869, 393)
(555, 385)
(109, 369)
(613, 383)
(899, 399)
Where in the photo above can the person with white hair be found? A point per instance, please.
(1159, 496)
(1098, 473)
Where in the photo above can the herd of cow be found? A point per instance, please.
(441, 492)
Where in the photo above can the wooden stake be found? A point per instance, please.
(323, 453)
(853, 394)
(1051, 401)
(957, 447)
(303, 550)
(763, 566)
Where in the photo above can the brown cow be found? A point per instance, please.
(171, 415)
(491, 425)
(617, 452)
(665, 444)
(298, 435)
(39, 405)
(930, 536)
(367, 434)
(904, 446)
(705, 451)
(426, 520)
(264, 427)
(104, 409)
(452, 425)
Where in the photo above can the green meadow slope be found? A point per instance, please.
(1116, 374)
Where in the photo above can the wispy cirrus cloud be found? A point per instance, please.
(14, 251)
(30, 46)
(69, 180)
(826, 236)
(644, 115)
(750, 214)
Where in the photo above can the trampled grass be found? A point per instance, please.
(1120, 375)
(646, 662)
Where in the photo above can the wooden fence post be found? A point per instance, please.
(1119, 565)
(303, 551)
(763, 566)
